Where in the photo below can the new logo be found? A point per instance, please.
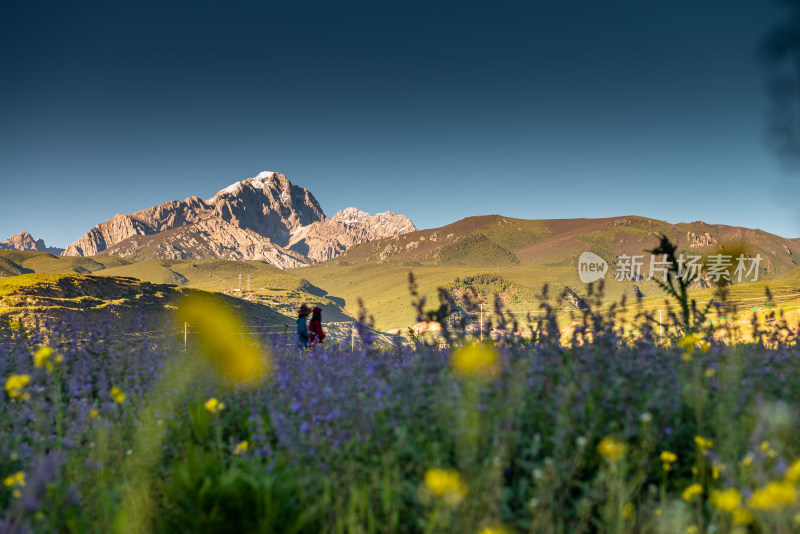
(591, 267)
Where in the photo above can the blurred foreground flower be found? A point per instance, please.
(742, 516)
(667, 459)
(703, 444)
(445, 484)
(793, 473)
(43, 358)
(611, 449)
(776, 495)
(241, 448)
(479, 360)
(117, 395)
(214, 406)
(218, 329)
(627, 510)
(691, 491)
(727, 500)
(15, 481)
(689, 343)
(15, 384)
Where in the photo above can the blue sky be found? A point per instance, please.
(437, 110)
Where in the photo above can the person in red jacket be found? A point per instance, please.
(315, 333)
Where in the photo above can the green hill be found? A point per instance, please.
(52, 296)
(9, 268)
(43, 262)
(525, 255)
(515, 256)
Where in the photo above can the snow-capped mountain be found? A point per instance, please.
(261, 218)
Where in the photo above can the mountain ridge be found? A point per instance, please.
(25, 241)
(561, 241)
(264, 217)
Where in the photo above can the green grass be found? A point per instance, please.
(55, 295)
(493, 247)
(476, 250)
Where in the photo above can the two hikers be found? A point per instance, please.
(309, 333)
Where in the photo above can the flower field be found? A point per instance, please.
(110, 432)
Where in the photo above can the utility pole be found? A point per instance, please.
(248, 283)
(185, 329)
(240, 283)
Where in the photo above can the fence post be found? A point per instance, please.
(481, 321)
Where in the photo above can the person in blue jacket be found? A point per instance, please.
(302, 326)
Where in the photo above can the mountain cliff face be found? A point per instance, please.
(25, 241)
(262, 218)
(209, 238)
(325, 239)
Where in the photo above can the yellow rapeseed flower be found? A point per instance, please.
(117, 395)
(17, 480)
(742, 516)
(479, 360)
(767, 449)
(688, 342)
(747, 460)
(776, 495)
(703, 443)
(709, 373)
(611, 449)
(445, 484)
(214, 406)
(793, 473)
(728, 500)
(627, 510)
(239, 358)
(42, 358)
(496, 529)
(691, 491)
(667, 459)
(241, 448)
(14, 325)
(15, 385)
(93, 413)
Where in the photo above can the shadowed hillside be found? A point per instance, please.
(43, 297)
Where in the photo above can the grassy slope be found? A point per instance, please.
(42, 262)
(489, 246)
(54, 295)
(210, 275)
(522, 255)
(280, 290)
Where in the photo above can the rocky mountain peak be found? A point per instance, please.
(323, 240)
(264, 217)
(25, 241)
